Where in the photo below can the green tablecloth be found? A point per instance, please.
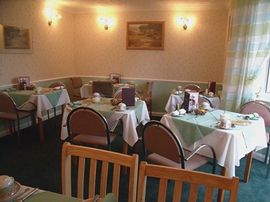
(195, 127)
(21, 96)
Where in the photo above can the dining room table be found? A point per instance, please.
(46, 99)
(130, 117)
(230, 144)
(177, 97)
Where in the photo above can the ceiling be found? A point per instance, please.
(83, 6)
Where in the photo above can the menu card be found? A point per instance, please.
(128, 96)
(190, 101)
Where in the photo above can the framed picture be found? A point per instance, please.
(15, 39)
(115, 78)
(23, 82)
(145, 35)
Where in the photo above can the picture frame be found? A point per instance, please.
(23, 82)
(145, 35)
(15, 39)
(115, 78)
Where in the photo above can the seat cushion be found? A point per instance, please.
(195, 162)
(85, 139)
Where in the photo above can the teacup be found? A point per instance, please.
(122, 106)
(95, 94)
(39, 90)
(225, 121)
(211, 94)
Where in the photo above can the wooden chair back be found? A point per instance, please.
(96, 156)
(193, 87)
(208, 182)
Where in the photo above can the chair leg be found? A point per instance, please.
(267, 152)
(268, 168)
(220, 191)
(54, 110)
(248, 166)
(48, 114)
(18, 132)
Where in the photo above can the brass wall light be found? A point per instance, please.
(106, 22)
(52, 15)
(184, 22)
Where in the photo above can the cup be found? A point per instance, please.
(122, 106)
(211, 94)
(96, 94)
(225, 121)
(39, 89)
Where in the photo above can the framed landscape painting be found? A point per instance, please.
(15, 39)
(145, 35)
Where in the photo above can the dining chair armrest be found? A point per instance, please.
(196, 150)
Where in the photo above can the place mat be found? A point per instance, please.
(21, 96)
(241, 122)
(50, 196)
(53, 97)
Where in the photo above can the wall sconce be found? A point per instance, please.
(52, 15)
(106, 22)
(184, 22)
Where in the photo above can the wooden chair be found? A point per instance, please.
(76, 83)
(88, 127)
(9, 111)
(264, 111)
(105, 88)
(161, 146)
(96, 156)
(208, 182)
(146, 95)
(193, 87)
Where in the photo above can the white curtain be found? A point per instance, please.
(248, 48)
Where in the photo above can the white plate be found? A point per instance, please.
(13, 194)
(120, 110)
(178, 115)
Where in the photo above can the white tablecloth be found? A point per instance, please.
(129, 117)
(42, 102)
(230, 145)
(178, 99)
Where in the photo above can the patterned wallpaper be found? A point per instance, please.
(193, 55)
(78, 45)
(53, 47)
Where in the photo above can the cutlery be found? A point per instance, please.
(28, 195)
